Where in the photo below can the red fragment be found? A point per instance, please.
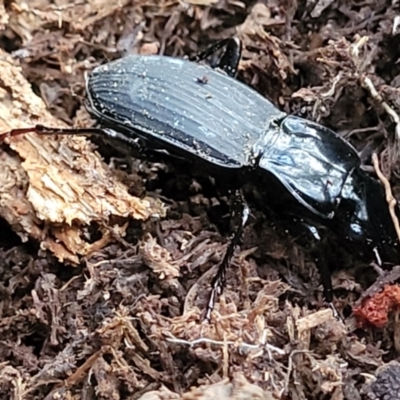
(374, 310)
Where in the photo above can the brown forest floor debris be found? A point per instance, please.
(102, 289)
(59, 186)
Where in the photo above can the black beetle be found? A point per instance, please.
(161, 104)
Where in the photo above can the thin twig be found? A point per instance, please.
(392, 202)
(376, 96)
(173, 339)
(290, 367)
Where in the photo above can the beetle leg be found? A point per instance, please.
(325, 274)
(240, 207)
(210, 50)
(320, 250)
(105, 133)
(229, 61)
(230, 58)
(44, 130)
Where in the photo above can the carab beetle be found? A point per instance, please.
(159, 104)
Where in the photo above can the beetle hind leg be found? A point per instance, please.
(229, 61)
(230, 58)
(130, 145)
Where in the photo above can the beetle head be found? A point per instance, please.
(365, 218)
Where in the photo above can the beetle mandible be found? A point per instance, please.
(164, 104)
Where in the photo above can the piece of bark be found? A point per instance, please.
(51, 188)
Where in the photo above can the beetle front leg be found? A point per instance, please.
(325, 273)
(326, 280)
(320, 250)
(241, 208)
(326, 276)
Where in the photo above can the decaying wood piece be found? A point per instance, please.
(52, 188)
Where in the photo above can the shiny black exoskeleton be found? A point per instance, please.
(193, 111)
